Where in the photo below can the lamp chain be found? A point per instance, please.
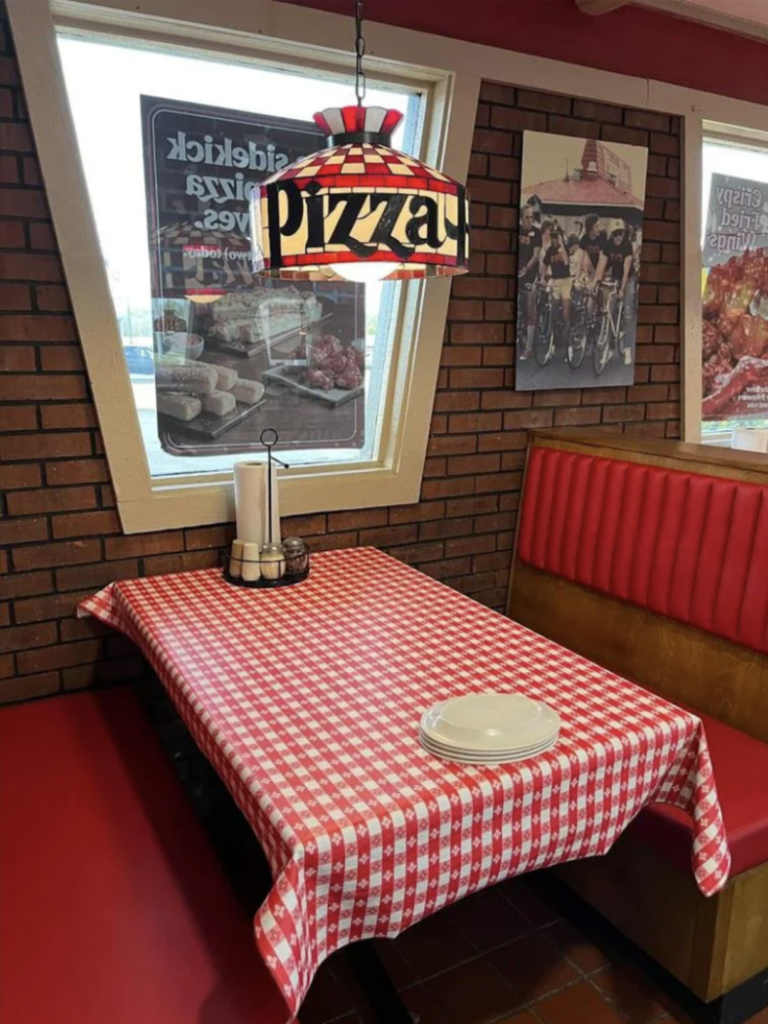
(359, 53)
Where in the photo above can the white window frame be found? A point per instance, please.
(452, 70)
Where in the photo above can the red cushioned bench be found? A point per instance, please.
(113, 907)
(651, 558)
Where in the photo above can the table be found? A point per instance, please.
(306, 699)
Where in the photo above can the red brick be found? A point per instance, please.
(665, 373)
(6, 103)
(102, 672)
(573, 126)
(443, 528)
(669, 145)
(60, 358)
(509, 440)
(485, 378)
(27, 687)
(657, 314)
(7, 668)
(529, 419)
(52, 298)
(485, 190)
(15, 136)
(513, 120)
(465, 309)
(492, 241)
(40, 387)
(597, 111)
(414, 554)
(647, 393)
(472, 506)
(663, 411)
(47, 328)
(469, 286)
(470, 546)
(25, 584)
(41, 237)
(17, 477)
(478, 163)
(79, 416)
(662, 272)
(464, 464)
(493, 92)
(45, 556)
(498, 355)
(18, 417)
(22, 638)
(9, 74)
(546, 398)
(667, 188)
(51, 499)
(547, 101)
(485, 141)
(505, 167)
(15, 359)
(421, 512)
(15, 296)
(623, 413)
(31, 171)
(457, 401)
(85, 524)
(461, 355)
(161, 565)
(494, 522)
(357, 519)
(647, 119)
(502, 264)
(388, 535)
(18, 447)
(447, 567)
(77, 471)
(626, 136)
(477, 334)
(25, 203)
(503, 216)
(55, 606)
(657, 165)
(497, 482)
(463, 423)
(9, 170)
(491, 562)
(654, 354)
(22, 531)
(61, 656)
(449, 488)
(12, 235)
(29, 267)
(670, 254)
(214, 536)
(144, 544)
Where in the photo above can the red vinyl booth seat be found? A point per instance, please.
(114, 909)
(684, 545)
(741, 771)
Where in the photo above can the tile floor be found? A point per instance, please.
(504, 956)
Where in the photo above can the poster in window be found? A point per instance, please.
(735, 303)
(235, 353)
(579, 250)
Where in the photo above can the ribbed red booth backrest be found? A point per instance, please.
(684, 545)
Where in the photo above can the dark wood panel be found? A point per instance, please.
(680, 662)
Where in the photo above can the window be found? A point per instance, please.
(734, 285)
(170, 143)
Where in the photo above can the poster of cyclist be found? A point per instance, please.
(581, 234)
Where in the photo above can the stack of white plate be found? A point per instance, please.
(489, 728)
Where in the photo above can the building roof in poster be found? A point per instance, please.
(587, 192)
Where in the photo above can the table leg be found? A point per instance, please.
(387, 1006)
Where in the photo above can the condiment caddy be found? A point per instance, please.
(272, 564)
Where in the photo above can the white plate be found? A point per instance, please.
(534, 748)
(487, 722)
(488, 760)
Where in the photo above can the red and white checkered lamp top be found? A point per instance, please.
(360, 201)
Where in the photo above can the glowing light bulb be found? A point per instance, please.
(363, 273)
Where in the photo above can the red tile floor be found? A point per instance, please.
(504, 956)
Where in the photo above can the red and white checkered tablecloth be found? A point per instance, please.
(307, 699)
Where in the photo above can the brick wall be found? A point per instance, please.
(60, 532)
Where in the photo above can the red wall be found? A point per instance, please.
(632, 40)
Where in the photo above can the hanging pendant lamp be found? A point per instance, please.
(359, 210)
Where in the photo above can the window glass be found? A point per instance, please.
(170, 145)
(735, 289)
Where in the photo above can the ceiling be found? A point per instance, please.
(747, 17)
